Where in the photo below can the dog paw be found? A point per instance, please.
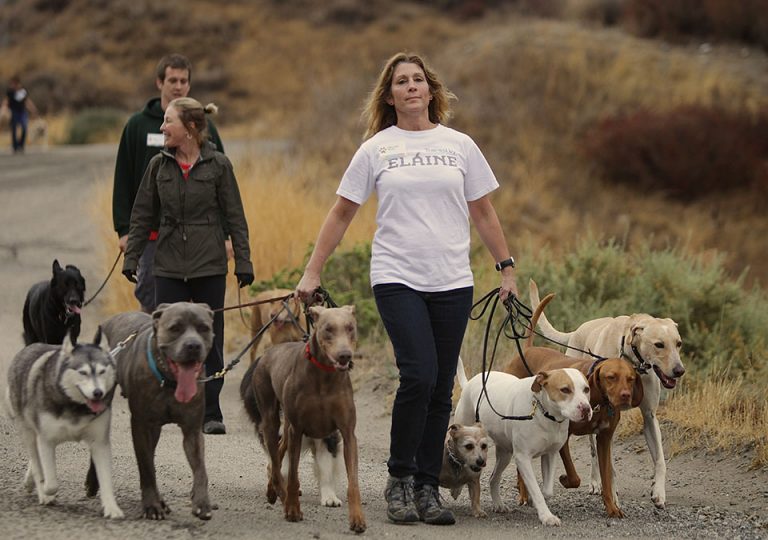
(29, 481)
(500, 507)
(156, 511)
(570, 483)
(550, 520)
(357, 524)
(293, 514)
(595, 488)
(658, 496)
(203, 511)
(113, 512)
(479, 513)
(46, 500)
(330, 500)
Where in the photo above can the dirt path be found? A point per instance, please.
(43, 214)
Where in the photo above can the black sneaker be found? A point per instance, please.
(429, 507)
(214, 427)
(399, 496)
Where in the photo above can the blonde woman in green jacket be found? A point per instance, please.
(189, 194)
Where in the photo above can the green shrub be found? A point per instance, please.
(95, 125)
(722, 325)
(346, 277)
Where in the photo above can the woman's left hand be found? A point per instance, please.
(508, 284)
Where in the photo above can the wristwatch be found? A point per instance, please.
(503, 264)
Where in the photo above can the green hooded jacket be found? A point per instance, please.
(140, 142)
(188, 214)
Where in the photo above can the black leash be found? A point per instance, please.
(109, 275)
(516, 321)
(322, 297)
(236, 360)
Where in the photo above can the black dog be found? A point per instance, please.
(53, 307)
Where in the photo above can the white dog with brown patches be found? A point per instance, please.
(652, 345)
(527, 418)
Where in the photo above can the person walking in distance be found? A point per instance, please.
(140, 141)
(430, 180)
(20, 105)
(188, 189)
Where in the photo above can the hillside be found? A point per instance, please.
(528, 89)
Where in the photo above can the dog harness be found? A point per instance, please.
(165, 383)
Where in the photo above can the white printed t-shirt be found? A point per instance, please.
(423, 180)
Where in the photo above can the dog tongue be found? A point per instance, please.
(96, 405)
(74, 309)
(186, 381)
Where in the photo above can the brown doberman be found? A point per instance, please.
(310, 383)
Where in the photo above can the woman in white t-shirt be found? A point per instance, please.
(429, 180)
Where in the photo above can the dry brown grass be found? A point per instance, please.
(711, 416)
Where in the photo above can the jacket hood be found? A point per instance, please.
(153, 109)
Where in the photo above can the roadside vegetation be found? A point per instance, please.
(624, 185)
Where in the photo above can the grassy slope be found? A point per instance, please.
(527, 89)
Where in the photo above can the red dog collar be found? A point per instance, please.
(315, 361)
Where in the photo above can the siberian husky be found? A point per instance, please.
(60, 393)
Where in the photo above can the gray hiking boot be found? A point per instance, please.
(399, 496)
(430, 509)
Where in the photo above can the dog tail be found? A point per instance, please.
(461, 375)
(538, 312)
(248, 396)
(547, 330)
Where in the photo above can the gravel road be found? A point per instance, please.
(44, 198)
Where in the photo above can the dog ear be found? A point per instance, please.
(68, 345)
(454, 428)
(157, 314)
(97, 337)
(56, 266)
(350, 309)
(315, 311)
(207, 309)
(637, 392)
(595, 391)
(539, 381)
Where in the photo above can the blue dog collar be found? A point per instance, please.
(153, 364)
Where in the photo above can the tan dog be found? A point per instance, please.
(464, 456)
(652, 345)
(310, 383)
(282, 329)
(613, 386)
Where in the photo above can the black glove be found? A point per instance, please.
(244, 279)
(130, 275)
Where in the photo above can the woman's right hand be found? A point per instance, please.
(307, 286)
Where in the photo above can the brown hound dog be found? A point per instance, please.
(310, 383)
(282, 329)
(614, 385)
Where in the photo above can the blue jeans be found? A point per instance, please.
(426, 330)
(205, 290)
(19, 120)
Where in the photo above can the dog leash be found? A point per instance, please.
(236, 360)
(121, 345)
(109, 275)
(516, 321)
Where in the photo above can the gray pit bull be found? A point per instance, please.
(177, 337)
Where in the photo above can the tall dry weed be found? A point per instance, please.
(714, 415)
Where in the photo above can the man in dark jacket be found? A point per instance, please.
(140, 142)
